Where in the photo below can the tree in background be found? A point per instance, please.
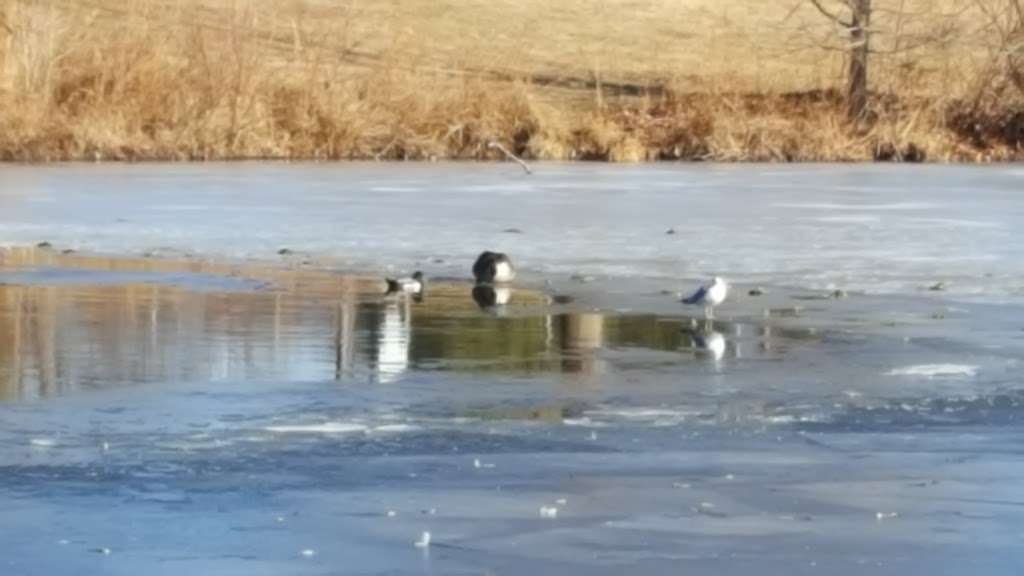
(855, 17)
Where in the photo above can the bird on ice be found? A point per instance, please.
(493, 267)
(411, 285)
(709, 296)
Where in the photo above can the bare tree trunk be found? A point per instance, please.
(857, 88)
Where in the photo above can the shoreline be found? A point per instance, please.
(987, 161)
(975, 157)
(794, 128)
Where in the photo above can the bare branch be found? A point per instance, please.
(510, 155)
(791, 12)
(831, 16)
(993, 19)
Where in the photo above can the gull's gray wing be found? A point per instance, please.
(697, 297)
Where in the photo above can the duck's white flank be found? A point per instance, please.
(503, 272)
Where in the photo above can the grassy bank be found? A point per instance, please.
(624, 80)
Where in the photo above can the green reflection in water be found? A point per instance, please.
(317, 326)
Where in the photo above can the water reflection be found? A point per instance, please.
(708, 343)
(489, 297)
(307, 325)
(393, 340)
(580, 335)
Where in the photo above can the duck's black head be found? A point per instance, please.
(417, 275)
(486, 264)
(489, 257)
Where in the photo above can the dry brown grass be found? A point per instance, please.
(623, 80)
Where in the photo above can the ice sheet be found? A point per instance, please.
(880, 229)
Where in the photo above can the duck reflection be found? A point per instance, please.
(490, 298)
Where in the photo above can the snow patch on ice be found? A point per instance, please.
(873, 207)
(324, 428)
(936, 371)
(395, 428)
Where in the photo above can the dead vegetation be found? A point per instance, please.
(629, 80)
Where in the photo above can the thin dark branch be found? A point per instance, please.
(830, 15)
(992, 18)
(792, 11)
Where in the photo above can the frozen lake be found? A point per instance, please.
(881, 229)
(203, 404)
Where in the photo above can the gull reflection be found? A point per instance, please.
(708, 343)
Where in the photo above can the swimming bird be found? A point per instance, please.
(491, 267)
(709, 296)
(410, 285)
